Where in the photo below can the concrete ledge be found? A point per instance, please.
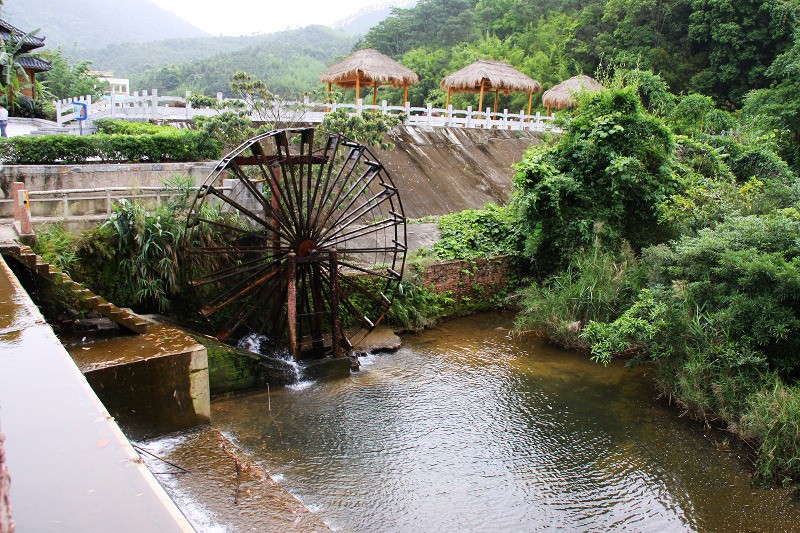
(153, 384)
(71, 467)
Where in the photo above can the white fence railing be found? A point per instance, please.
(86, 204)
(151, 106)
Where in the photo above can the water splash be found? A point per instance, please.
(261, 344)
(253, 342)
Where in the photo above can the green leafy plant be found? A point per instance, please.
(475, 233)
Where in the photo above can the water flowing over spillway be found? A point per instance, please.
(469, 428)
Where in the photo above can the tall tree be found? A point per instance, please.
(737, 41)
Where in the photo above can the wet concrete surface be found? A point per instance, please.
(93, 354)
(71, 467)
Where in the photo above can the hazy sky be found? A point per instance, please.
(243, 17)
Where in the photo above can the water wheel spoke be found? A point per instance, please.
(240, 208)
(229, 227)
(345, 221)
(355, 312)
(238, 320)
(234, 270)
(238, 292)
(334, 212)
(280, 197)
(360, 231)
(275, 214)
(329, 153)
(339, 185)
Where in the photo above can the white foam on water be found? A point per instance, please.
(301, 385)
(368, 359)
(203, 520)
(252, 342)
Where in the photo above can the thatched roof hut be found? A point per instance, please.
(563, 94)
(485, 75)
(366, 68)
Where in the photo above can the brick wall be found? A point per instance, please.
(477, 279)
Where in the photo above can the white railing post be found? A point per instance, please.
(505, 119)
(384, 107)
(88, 106)
(219, 98)
(359, 105)
(449, 115)
(469, 116)
(154, 99)
(430, 113)
(188, 105)
(58, 112)
(488, 119)
(408, 112)
(112, 104)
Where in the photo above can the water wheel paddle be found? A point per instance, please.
(308, 245)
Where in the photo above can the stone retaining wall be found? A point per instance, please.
(55, 177)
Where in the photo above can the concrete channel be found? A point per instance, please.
(70, 466)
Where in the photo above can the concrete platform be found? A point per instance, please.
(71, 467)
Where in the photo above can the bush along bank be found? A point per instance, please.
(682, 251)
(161, 147)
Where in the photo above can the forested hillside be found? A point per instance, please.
(96, 23)
(290, 62)
(721, 48)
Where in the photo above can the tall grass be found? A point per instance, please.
(596, 285)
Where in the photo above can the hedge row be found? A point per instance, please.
(177, 146)
(125, 127)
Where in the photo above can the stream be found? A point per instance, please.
(469, 428)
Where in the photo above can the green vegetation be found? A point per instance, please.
(721, 49)
(601, 181)
(678, 250)
(170, 145)
(475, 233)
(370, 128)
(68, 80)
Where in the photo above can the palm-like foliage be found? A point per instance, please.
(14, 78)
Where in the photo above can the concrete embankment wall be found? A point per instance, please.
(87, 176)
(437, 170)
(444, 170)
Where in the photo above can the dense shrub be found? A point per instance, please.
(722, 317)
(171, 146)
(125, 127)
(475, 233)
(606, 177)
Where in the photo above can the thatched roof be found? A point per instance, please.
(563, 94)
(494, 75)
(370, 67)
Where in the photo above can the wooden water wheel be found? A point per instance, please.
(308, 247)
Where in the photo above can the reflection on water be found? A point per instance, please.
(466, 428)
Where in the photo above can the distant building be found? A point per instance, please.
(116, 86)
(31, 64)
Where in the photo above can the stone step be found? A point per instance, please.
(44, 269)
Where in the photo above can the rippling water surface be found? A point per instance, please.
(466, 428)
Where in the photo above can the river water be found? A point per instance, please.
(467, 428)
